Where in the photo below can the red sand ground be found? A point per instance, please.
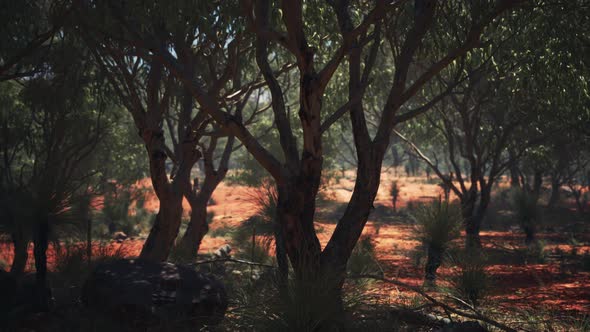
(541, 286)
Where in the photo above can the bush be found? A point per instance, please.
(471, 283)
(437, 224)
(363, 258)
(527, 213)
(535, 253)
(72, 266)
(257, 251)
(263, 222)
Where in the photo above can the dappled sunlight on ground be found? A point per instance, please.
(555, 285)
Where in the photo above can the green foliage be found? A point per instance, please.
(438, 223)
(471, 283)
(363, 259)
(263, 222)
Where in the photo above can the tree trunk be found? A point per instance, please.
(282, 260)
(513, 169)
(165, 229)
(472, 227)
(433, 262)
(89, 241)
(295, 212)
(537, 184)
(529, 231)
(21, 253)
(472, 222)
(197, 227)
(555, 193)
(41, 240)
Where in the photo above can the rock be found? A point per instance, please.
(469, 326)
(223, 252)
(142, 292)
(119, 236)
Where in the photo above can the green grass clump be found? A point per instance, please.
(471, 283)
(363, 259)
(438, 223)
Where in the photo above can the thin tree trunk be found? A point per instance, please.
(21, 253)
(89, 241)
(513, 169)
(41, 241)
(433, 262)
(472, 223)
(555, 193)
(537, 184)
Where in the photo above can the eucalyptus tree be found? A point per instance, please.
(298, 177)
(210, 44)
(318, 38)
(516, 94)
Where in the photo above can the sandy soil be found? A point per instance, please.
(550, 286)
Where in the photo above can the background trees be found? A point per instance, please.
(53, 124)
(299, 87)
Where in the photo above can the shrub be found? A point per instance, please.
(257, 251)
(437, 224)
(527, 213)
(471, 283)
(263, 222)
(535, 253)
(363, 258)
(71, 260)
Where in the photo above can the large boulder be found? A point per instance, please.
(142, 292)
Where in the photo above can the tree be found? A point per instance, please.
(28, 33)
(317, 59)
(163, 105)
(494, 91)
(51, 128)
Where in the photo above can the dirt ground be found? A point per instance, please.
(554, 286)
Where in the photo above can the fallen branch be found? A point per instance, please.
(233, 260)
(476, 315)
